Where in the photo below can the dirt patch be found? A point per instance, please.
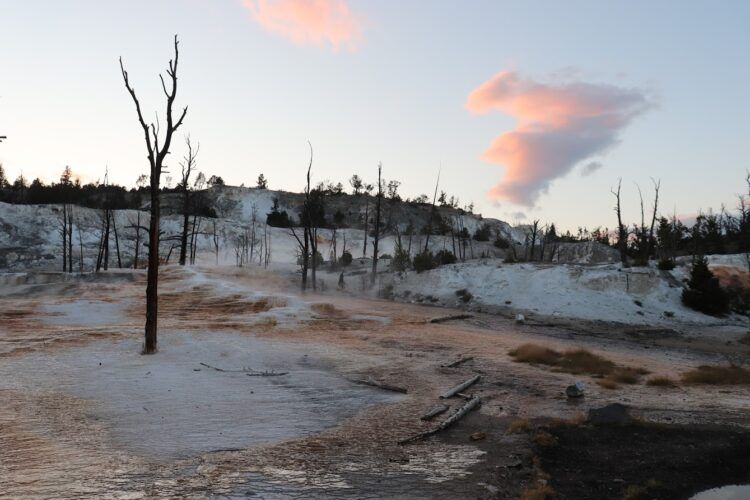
(644, 460)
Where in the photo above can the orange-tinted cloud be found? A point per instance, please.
(309, 21)
(559, 125)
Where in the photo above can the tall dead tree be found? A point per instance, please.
(433, 210)
(304, 242)
(622, 232)
(651, 242)
(187, 165)
(376, 237)
(156, 155)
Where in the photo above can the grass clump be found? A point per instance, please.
(641, 491)
(538, 492)
(661, 381)
(577, 362)
(717, 375)
(544, 439)
(518, 426)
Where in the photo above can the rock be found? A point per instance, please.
(612, 414)
(520, 319)
(478, 436)
(576, 390)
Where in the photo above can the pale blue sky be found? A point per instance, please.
(255, 97)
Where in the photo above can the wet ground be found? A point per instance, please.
(167, 425)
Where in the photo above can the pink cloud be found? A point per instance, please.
(559, 125)
(314, 22)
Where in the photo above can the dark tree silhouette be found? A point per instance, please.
(156, 155)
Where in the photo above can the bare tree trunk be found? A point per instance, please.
(651, 244)
(117, 240)
(80, 243)
(156, 156)
(367, 220)
(622, 234)
(377, 226)
(70, 239)
(64, 234)
(432, 214)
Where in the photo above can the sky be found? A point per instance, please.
(529, 109)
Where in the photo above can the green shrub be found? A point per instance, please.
(483, 233)
(704, 293)
(666, 264)
(401, 260)
(424, 261)
(445, 257)
(346, 258)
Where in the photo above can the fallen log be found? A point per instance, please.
(460, 387)
(458, 362)
(443, 319)
(437, 410)
(382, 385)
(266, 374)
(458, 415)
(247, 371)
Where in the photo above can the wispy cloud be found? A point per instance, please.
(559, 125)
(317, 22)
(590, 168)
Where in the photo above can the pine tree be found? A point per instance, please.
(3, 179)
(704, 292)
(262, 182)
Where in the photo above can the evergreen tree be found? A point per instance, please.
(704, 292)
(262, 182)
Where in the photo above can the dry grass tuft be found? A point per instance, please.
(324, 308)
(540, 491)
(607, 383)
(577, 362)
(717, 375)
(661, 381)
(544, 439)
(518, 426)
(641, 491)
(534, 353)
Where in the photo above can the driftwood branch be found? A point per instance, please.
(460, 387)
(443, 319)
(434, 412)
(382, 385)
(247, 371)
(458, 362)
(455, 417)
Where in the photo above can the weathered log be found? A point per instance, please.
(382, 385)
(434, 412)
(460, 387)
(247, 371)
(458, 362)
(443, 319)
(455, 417)
(266, 374)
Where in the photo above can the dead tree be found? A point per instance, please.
(138, 227)
(187, 165)
(215, 238)
(157, 153)
(117, 240)
(534, 233)
(651, 243)
(433, 210)
(64, 234)
(376, 237)
(304, 242)
(622, 232)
